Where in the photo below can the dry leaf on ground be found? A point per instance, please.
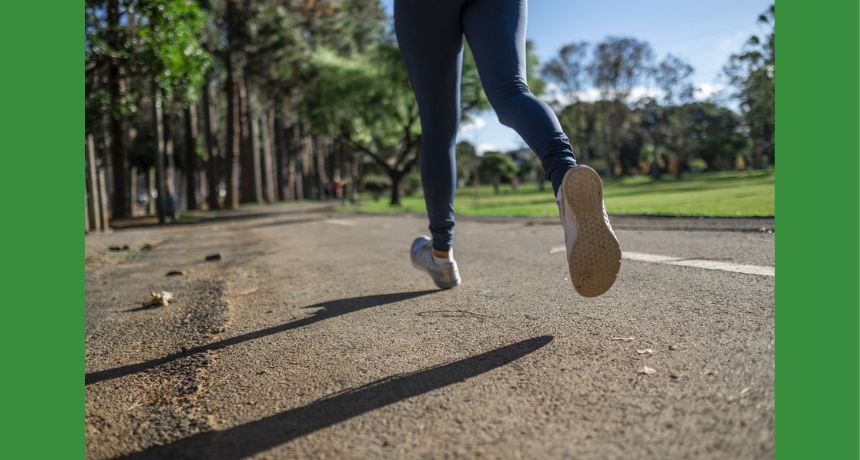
(647, 370)
(159, 299)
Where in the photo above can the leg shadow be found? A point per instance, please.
(329, 309)
(263, 434)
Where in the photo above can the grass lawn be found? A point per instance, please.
(708, 194)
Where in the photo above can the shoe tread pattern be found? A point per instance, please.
(595, 258)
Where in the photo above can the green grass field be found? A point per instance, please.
(736, 194)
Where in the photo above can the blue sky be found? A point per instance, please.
(704, 33)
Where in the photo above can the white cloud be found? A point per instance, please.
(702, 92)
(706, 90)
(476, 123)
(485, 147)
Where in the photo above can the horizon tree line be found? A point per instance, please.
(216, 103)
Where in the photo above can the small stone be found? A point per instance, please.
(216, 256)
(674, 376)
(646, 351)
(711, 373)
(647, 370)
(175, 273)
(118, 248)
(673, 347)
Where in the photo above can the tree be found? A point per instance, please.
(567, 70)
(109, 54)
(751, 73)
(580, 122)
(713, 134)
(651, 121)
(618, 65)
(367, 104)
(672, 76)
(468, 162)
(175, 61)
(136, 49)
(498, 166)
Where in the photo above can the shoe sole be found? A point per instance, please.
(595, 259)
(438, 284)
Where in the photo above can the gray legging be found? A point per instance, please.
(430, 35)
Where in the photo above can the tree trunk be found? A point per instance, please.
(94, 218)
(396, 183)
(157, 120)
(233, 137)
(133, 187)
(267, 166)
(121, 202)
(654, 169)
(319, 151)
(170, 163)
(150, 191)
(607, 148)
(355, 178)
(306, 183)
(102, 200)
(209, 120)
(292, 152)
(190, 157)
(249, 185)
(280, 159)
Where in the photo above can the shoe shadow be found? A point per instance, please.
(330, 309)
(263, 434)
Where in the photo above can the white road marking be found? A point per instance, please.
(725, 266)
(347, 223)
(653, 258)
(684, 262)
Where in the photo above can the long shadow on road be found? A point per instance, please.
(263, 434)
(329, 309)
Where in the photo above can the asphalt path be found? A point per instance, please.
(314, 337)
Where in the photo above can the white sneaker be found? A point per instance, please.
(593, 254)
(444, 272)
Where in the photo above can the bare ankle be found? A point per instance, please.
(442, 254)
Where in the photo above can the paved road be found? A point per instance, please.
(313, 337)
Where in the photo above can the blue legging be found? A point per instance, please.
(430, 35)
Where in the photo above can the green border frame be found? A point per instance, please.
(42, 126)
(42, 339)
(817, 277)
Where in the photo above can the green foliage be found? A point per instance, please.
(366, 99)
(618, 64)
(498, 166)
(472, 96)
(567, 70)
(672, 75)
(533, 77)
(709, 194)
(468, 161)
(751, 73)
(172, 53)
